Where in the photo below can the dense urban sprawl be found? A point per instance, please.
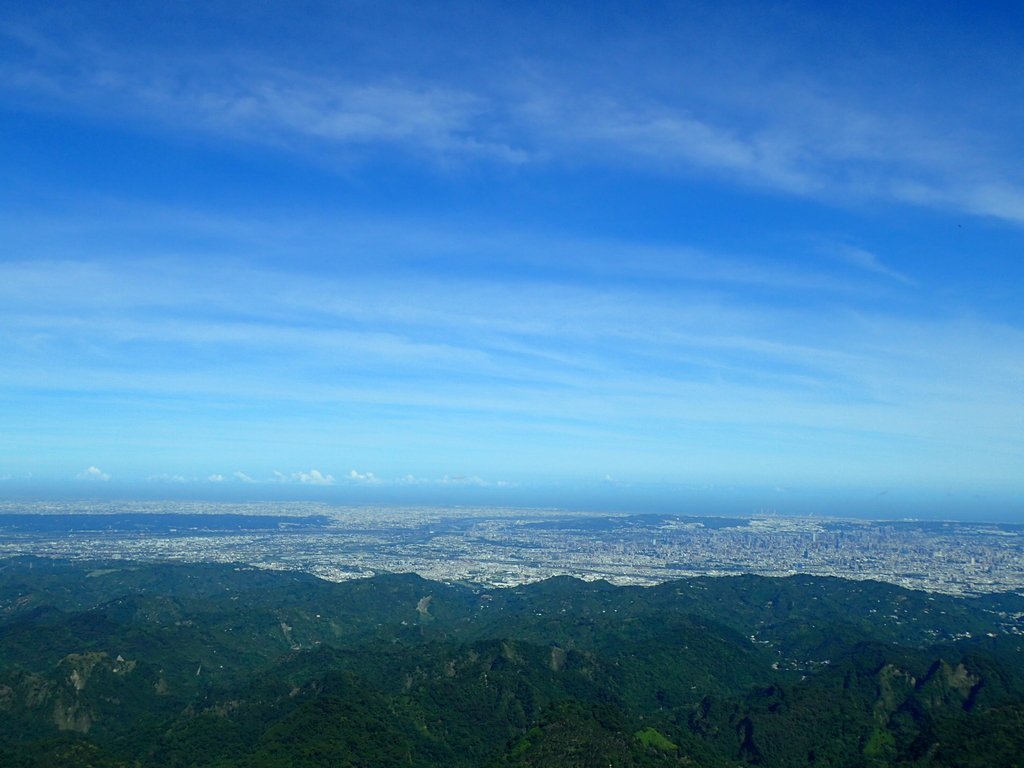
(505, 547)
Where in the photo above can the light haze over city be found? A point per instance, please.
(730, 257)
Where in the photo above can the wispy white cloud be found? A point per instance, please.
(393, 336)
(866, 260)
(672, 141)
(809, 146)
(995, 197)
(250, 101)
(578, 356)
(784, 130)
(313, 477)
(94, 474)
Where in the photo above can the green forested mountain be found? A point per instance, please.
(126, 664)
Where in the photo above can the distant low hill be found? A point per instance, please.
(161, 522)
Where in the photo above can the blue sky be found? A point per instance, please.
(698, 257)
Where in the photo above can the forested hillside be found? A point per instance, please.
(125, 664)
